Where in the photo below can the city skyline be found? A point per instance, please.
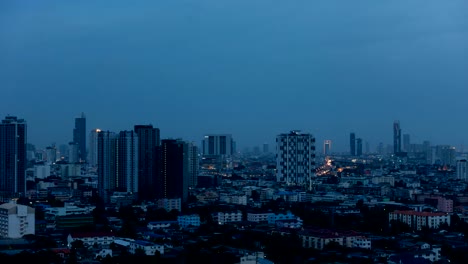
(202, 67)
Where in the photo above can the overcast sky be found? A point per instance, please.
(252, 68)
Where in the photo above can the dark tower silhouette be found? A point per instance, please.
(359, 147)
(13, 133)
(396, 137)
(352, 144)
(79, 136)
(148, 140)
(173, 177)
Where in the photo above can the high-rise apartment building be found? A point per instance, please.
(79, 136)
(462, 169)
(117, 163)
(359, 147)
(218, 145)
(352, 144)
(73, 152)
(93, 147)
(396, 137)
(327, 145)
(51, 154)
(295, 158)
(107, 163)
(173, 164)
(193, 163)
(13, 140)
(148, 140)
(127, 158)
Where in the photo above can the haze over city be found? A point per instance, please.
(253, 69)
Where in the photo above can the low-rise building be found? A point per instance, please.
(222, 218)
(170, 204)
(319, 238)
(188, 220)
(16, 220)
(160, 224)
(149, 248)
(258, 217)
(418, 220)
(103, 239)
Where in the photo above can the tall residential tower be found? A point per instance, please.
(13, 134)
(295, 158)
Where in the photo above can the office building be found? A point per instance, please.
(16, 220)
(396, 137)
(352, 144)
(359, 147)
(327, 144)
(295, 158)
(79, 136)
(13, 134)
(93, 147)
(174, 171)
(462, 172)
(148, 140)
(218, 145)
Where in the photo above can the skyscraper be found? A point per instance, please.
(148, 140)
(359, 147)
(352, 144)
(193, 165)
(396, 137)
(173, 177)
(117, 163)
(79, 136)
(327, 144)
(93, 147)
(127, 167)
(462, 170)
(295, 158)
(107, 163)
(13, 140)
(218, 145)
(73, 152)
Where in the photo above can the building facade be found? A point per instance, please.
(295, 158)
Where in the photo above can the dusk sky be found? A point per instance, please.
(252, 68)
